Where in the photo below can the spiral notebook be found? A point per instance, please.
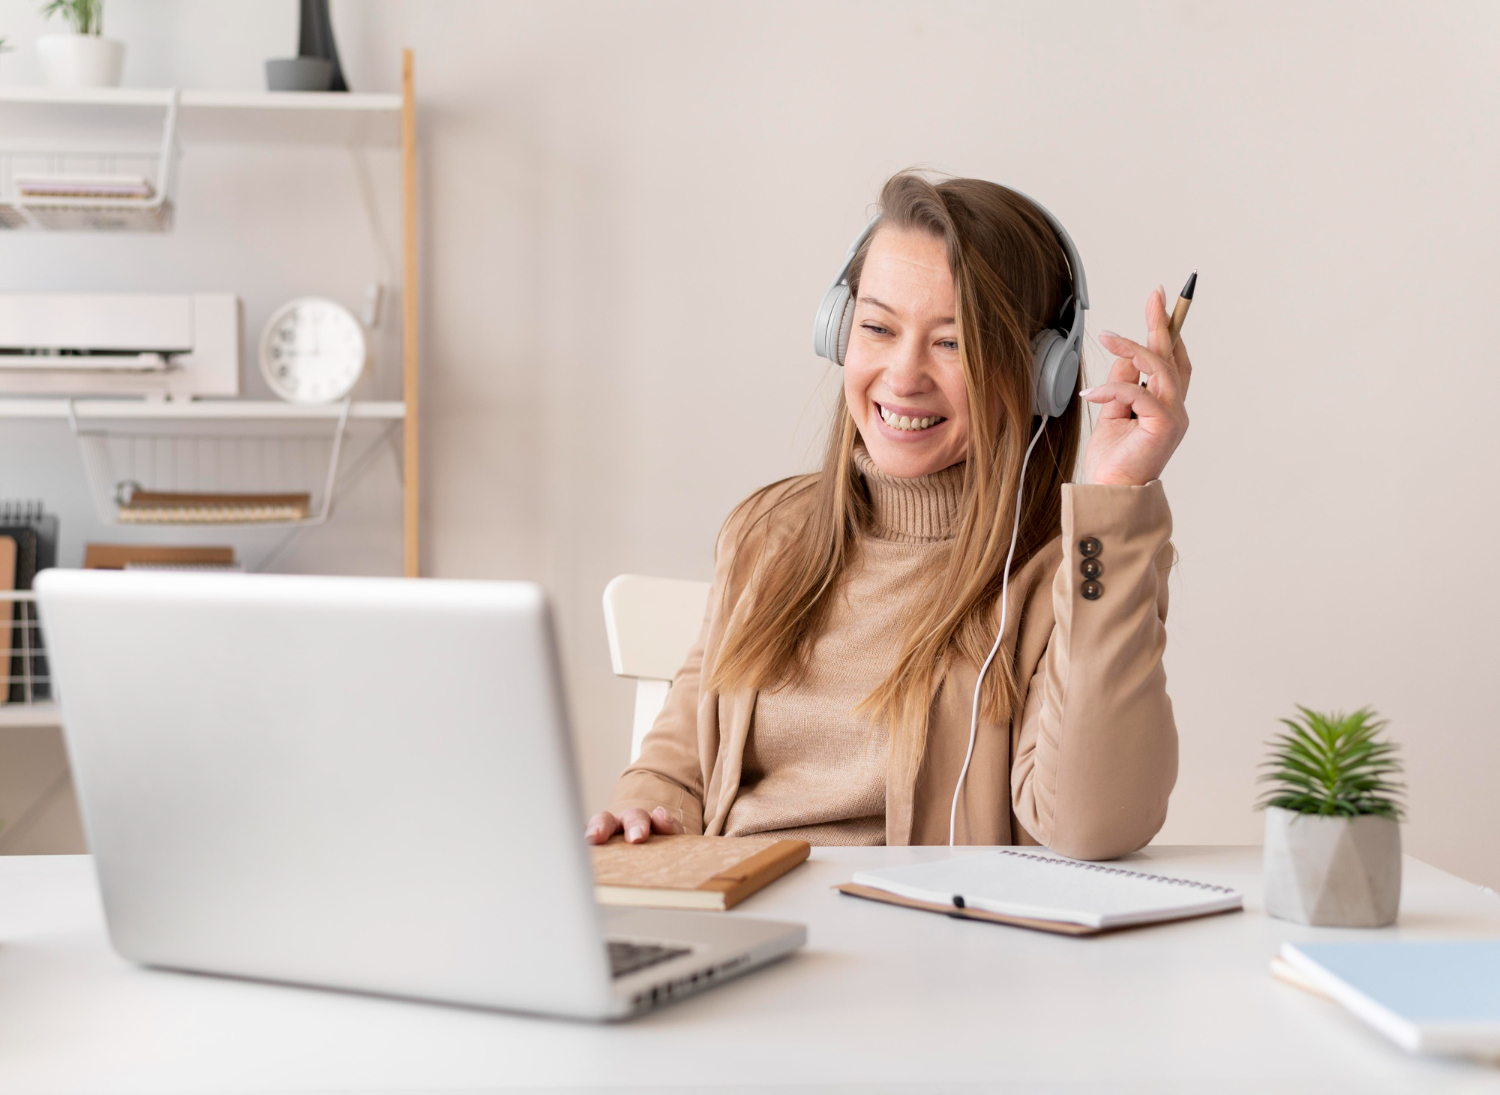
(1044, 891)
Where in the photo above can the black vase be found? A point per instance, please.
(315, 39)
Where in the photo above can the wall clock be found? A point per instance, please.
(312, 351)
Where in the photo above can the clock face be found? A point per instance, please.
(312, 351)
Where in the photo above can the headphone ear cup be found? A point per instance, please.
(846, 324)
(1054, 362)
(834, 322)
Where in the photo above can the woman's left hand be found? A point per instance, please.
(1133, 451)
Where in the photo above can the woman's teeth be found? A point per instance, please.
(904, 422)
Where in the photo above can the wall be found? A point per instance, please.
(631, 210)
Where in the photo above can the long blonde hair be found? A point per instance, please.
(1011, 281)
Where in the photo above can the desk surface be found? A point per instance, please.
(881, 999)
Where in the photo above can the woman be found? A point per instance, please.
(829, 695)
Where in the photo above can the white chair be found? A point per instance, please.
(652, 623)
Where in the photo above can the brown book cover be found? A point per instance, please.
(118, 556)
(8, 554)
(960, 912)
(1060, 927)
(691, 872)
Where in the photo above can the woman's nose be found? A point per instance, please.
(907, 372)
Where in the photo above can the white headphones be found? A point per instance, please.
(1054, 375)
(1055, 352)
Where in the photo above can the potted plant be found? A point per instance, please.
(1333, 833)
(81, 57)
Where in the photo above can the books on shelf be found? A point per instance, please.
(157, 557)
(1034, 888)
(64, 185)
(34, 533)
(691, 872)
(158, 507)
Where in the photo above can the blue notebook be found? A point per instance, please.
(1433, 996)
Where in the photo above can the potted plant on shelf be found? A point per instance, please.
(81, 57)
(1333, 832)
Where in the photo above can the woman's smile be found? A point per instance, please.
(907, 423)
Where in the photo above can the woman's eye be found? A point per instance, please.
(949, 344)
(875, 328)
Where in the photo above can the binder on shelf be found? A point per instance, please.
(7, 584)
(34, 532)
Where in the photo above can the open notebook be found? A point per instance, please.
(1040, 890)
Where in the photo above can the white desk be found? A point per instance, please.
(881, 999)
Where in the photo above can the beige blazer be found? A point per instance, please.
(1084, 767)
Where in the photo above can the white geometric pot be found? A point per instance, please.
(1340, 872)
(81, 60)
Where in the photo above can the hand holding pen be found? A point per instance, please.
(1141, 424)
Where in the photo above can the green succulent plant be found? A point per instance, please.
(1333, 765)
(84, 16)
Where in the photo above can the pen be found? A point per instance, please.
(1179, 313)
(1179, 316)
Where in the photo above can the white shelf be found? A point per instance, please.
(290, 117)
(15, 715)
(198, 410)
(205, 117)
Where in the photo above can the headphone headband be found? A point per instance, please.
(1055, 368)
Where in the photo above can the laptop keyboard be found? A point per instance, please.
(628, 957)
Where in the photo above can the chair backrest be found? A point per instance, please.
(652, 624)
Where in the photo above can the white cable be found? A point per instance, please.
(985, 668)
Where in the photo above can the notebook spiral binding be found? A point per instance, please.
(1118, 870)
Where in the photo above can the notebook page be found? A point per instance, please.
(1045, 887)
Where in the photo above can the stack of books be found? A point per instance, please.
(158, 557)
(129, 188)
(160, 507)
(66, 201)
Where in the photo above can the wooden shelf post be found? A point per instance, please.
(411, 477)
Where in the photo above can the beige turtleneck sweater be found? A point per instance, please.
(813, 769)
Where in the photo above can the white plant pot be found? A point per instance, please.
(81, 60)
(1332, 871)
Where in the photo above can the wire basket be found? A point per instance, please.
(84, 192)
(236, 459)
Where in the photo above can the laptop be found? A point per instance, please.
(354, 783)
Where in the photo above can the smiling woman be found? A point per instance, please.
(829, 695)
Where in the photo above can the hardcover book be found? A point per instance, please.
(691, 872)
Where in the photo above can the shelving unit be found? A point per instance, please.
(143, 130)
(126, 122)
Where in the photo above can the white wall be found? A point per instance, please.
(630, 211)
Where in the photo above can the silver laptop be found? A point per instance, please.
(356, 783)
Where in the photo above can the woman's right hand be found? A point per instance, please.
(638, 825)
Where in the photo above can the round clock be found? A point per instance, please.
(312, 351)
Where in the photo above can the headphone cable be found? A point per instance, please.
(1004, 608)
